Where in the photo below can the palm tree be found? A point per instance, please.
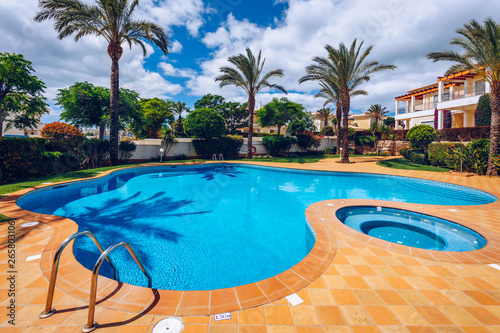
(112, 20)
(246, 75)
(178, 108)
(376, 111)
(481, 44)
(347, 70)
(325, 114)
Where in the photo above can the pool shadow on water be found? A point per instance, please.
(126, 220)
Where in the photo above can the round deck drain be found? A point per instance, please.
(29, 224)
(170, 325)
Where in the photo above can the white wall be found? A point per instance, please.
(148, 148)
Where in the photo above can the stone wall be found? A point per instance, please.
(393, 147)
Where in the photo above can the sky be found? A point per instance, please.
(204, 33)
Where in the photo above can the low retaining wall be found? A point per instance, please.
(148, 149)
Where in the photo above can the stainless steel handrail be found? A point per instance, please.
(91, 324)
(49, 311)
(214, 158)
(221, 157)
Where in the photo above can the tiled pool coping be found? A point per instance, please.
(133, 300)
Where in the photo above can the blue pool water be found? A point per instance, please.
(216, 226)
(411, 229)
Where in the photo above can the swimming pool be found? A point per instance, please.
(217, 225)
(411, 229)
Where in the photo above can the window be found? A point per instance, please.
(479, 87)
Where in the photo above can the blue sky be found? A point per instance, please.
(203, 34)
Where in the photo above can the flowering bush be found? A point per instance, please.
(62, 137)
(307, 140)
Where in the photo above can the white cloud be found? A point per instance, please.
(403, 32)
(61, 63)
(169, 70)
(176, 47)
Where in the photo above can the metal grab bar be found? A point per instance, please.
(49, 311)
(91, 324)
(214, 158)
(221, 157)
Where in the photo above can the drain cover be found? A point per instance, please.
(170, 325)
(29, 224)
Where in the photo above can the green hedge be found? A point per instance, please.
(464, 133)
(330, 150)
(414, 155)
(229, 146)
(21, 158)
(278, 145)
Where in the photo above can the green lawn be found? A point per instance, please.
(401, 163)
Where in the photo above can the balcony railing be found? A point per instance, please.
(477, 89)
(402, 110)
(425, 106)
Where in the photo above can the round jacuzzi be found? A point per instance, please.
(411, 229)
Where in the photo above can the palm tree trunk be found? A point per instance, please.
(251, 106)
(326, 122)
(102, 128)
(494, 129)
(339, 124)
(179, 128)
(345, 125)
(279, 129)
(115, 52)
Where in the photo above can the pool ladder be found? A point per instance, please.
(221, 158)
(91, 324)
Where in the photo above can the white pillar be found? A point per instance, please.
(465, 114)
(412, 105)
(487, 87)
(397, 107)
(466, 85)
(440, 119)
(451, 92)
(440, 91)
(411, 123)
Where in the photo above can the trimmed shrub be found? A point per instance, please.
(365, 140)
(421, 136)
(227, 145)
(447, 119)
(464, 133)
(438, 153)
(417, 157)
(204, 123)
(62, 137)
(351, 133)
(330, 150)
(305, 140)
(482, 115)
(327, 131)
(278, 145)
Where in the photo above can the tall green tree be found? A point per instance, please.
(112, 20)
(154, 113)
(246, 74)
(376, 111)
(346, 69)
(279, 112)
(235, 114)
(21, 100)
(481, 54)
(86, 105)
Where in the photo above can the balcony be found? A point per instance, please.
(477, 89)
(426, 106)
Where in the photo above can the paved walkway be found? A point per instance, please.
(363, 286)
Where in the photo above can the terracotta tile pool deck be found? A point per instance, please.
(350, 282)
